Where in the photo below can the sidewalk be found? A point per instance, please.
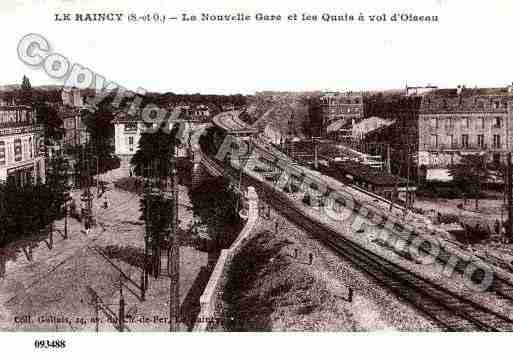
(55, 287)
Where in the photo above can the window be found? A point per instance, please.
(131, 143)
(30, 148)
(131, 126)
(497, 158)
(17, 150)
(496, 104)
(497, 122)
(2, 153)
(451, 141)
(464, 141)
(496, 141)
(482, 122)
(480, 141)
(434, 141)
(434, 123)
(467, 122)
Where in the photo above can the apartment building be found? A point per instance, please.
(20, 140)
(461, 121)
(345, 108)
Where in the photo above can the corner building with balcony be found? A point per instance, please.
(20, 140)
(461, 121)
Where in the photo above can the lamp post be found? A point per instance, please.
(174, 254)
(67, 197)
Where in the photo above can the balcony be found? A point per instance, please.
(449, 128)
(459, 147)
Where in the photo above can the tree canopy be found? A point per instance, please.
(101, 141)
(49, 117)
(470, 174)
(45, 201)
(25, 96)
(155, 152)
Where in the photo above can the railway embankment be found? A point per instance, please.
(212, 313)
(449, 275)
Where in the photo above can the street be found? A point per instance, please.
(51, 286)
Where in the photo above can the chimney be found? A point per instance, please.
(459, 89)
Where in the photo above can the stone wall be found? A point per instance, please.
(211, 313)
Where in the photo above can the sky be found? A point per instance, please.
(470, 45)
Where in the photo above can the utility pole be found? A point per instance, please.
(389, 168)
(66, 216)
(87, 196)
(67, 197)
(407, 204)
(121, 315)
(174, 254)
(144, 282)
(316, 151)
(394, 192)
(97, 176)
(509, 199)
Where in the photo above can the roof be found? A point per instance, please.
(467, 100)
(453, 92)
(15, 107)
(363, 172)
(337, 125)
(123, 116)
(229, 121)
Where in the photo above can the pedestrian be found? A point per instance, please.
(73, 209)
(87, 226)
(497, 227)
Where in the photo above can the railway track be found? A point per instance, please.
(450, 311)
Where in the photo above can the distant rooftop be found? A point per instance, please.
(465, 91)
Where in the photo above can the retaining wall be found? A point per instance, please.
(211, 313)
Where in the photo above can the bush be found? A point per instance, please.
(440, 190)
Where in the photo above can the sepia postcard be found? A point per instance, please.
(255, 166)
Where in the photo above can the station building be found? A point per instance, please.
(128, 129)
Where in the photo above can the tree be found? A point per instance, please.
(214, 203)
(101, 135)
(315, 127)
(25, 91)
(154, 153)
(470, 174)
(157, 213)
(27, 209)
(154, 160)
(49, 117)
(57, 180)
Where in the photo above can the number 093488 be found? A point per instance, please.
(50, 344)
